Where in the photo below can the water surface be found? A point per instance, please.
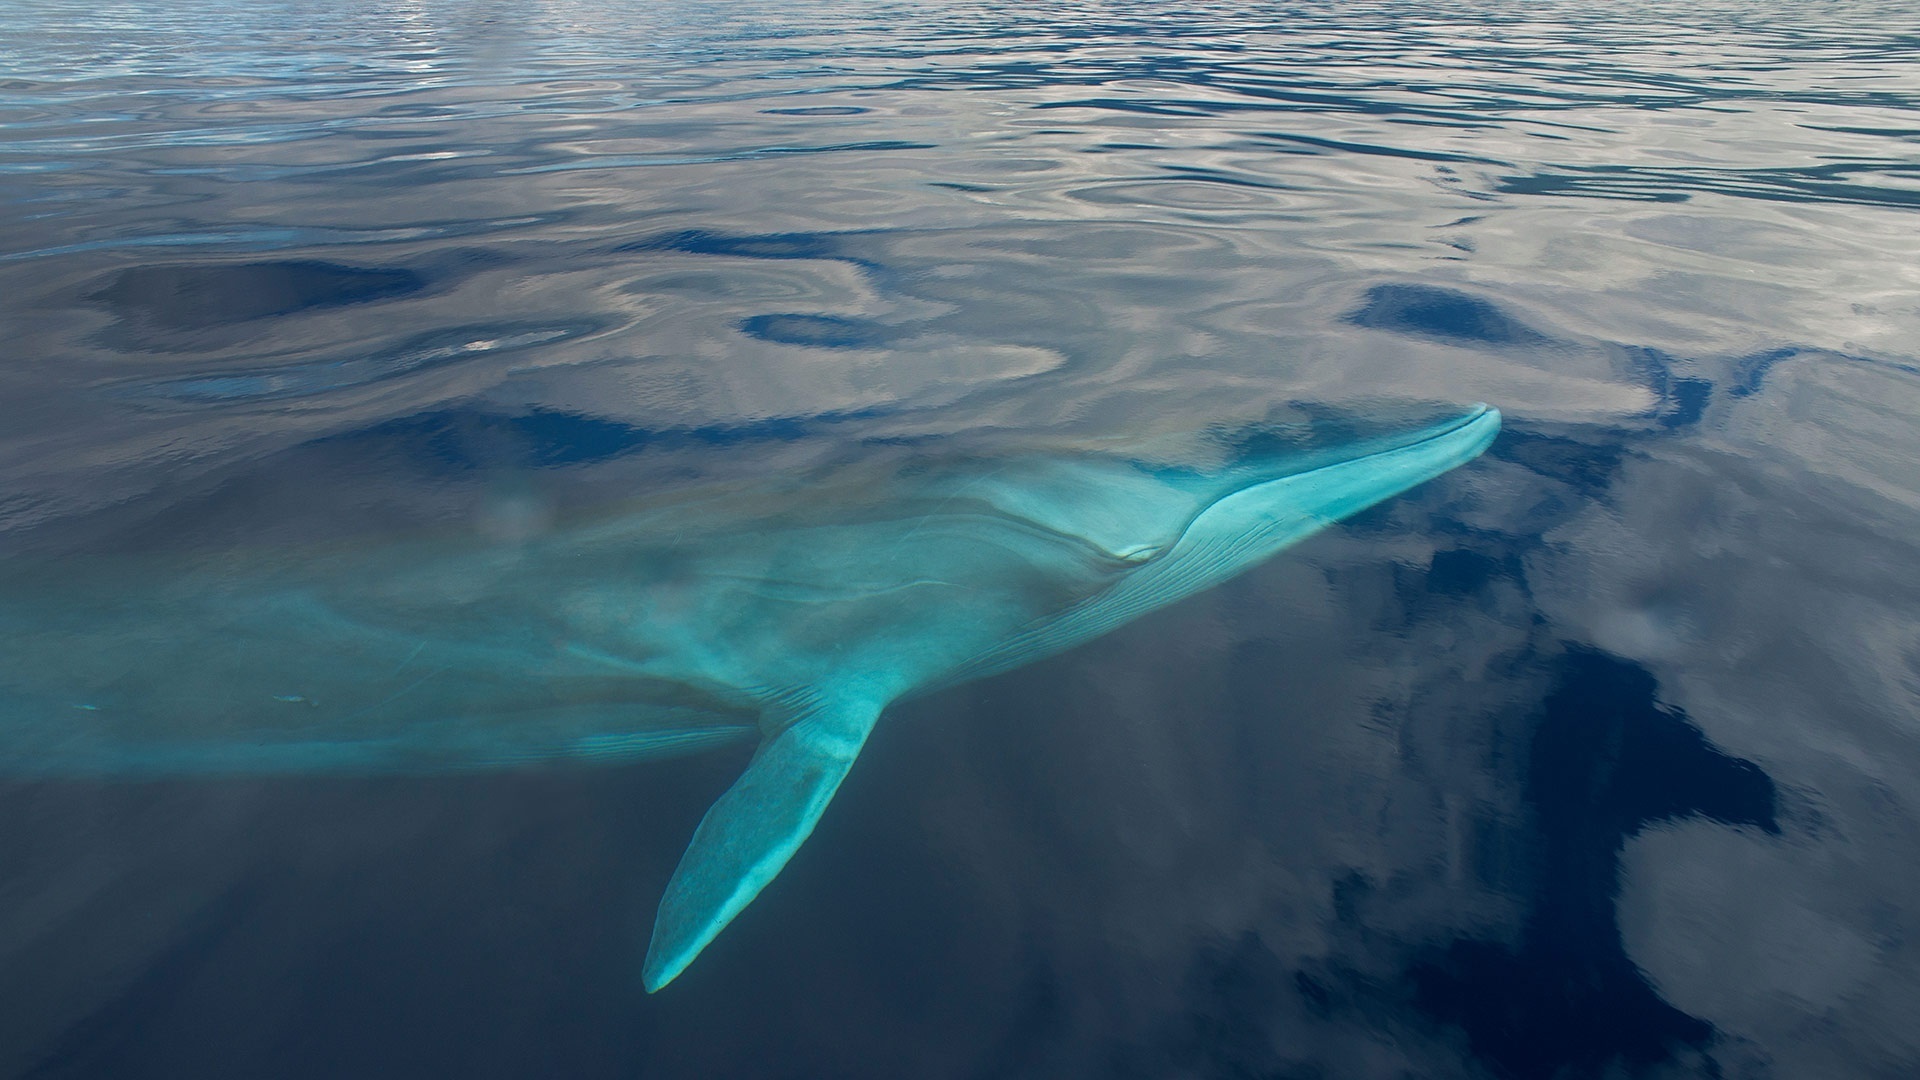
(1596, 757)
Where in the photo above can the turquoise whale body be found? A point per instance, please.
(791, 611)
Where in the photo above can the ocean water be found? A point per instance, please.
(1596, 757)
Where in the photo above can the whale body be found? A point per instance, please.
(790, 611)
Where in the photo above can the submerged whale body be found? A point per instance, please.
(788, 611)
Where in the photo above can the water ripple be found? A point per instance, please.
(427, 263)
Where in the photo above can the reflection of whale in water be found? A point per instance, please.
(794, 611)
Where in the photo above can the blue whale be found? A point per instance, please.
(787, 609)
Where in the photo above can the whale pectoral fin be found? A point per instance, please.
(752, 830)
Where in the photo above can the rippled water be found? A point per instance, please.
(1601, 753)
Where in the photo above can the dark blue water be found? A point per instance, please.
(1597, 757)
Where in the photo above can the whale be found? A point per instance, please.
(789, 610)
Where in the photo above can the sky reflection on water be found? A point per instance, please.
(1600, 753)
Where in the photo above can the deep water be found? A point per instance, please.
(1596, 757)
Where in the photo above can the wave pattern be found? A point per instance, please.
(272, 271)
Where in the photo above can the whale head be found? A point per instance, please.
(1139, 533)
